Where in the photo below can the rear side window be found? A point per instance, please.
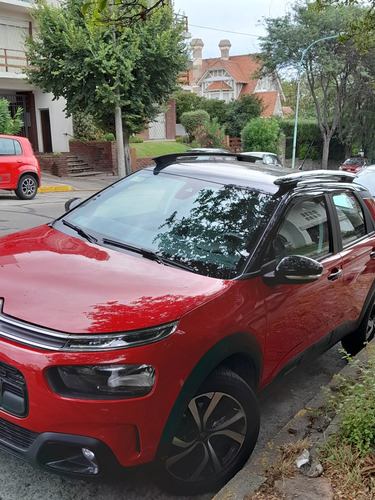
(305, 230)
(351, 217)
(9, 147)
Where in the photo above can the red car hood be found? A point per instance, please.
(57, 281)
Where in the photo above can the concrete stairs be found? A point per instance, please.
(78, 167)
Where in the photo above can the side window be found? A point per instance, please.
(17, 148)
(305, 230)
(6, 147)
(351, 218)
(9, 147)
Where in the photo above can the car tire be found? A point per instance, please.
(214, 438)
(27, 187)
(355, 341)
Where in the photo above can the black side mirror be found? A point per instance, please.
(294, 269)
(72, 203)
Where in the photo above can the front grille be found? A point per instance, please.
(31, 335)
(14, 437)
(13, 391)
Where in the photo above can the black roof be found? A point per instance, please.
(241, 170)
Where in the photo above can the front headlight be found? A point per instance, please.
(119, 340)
(102, 381)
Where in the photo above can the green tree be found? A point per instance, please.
(189, 101)
(306, 104)
(191, 120)
(100, 68)
(186, 102)
(9, 125)
(239, 112)
(329, 66)
(261, 134)
(362, 29)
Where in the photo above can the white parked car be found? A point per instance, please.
(266, 158)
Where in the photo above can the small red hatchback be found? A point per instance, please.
(355, 164)
(19, 168)
(140, 325)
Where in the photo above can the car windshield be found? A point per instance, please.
(208, 227)
(354, 161)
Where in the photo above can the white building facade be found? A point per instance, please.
(45, 123)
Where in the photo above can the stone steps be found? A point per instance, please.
(78, 166)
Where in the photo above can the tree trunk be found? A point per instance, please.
(325, 153)
(119, 143)
(128, 161)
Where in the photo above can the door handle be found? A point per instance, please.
(372, 255)
(335, 275)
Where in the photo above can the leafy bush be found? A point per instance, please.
(134, 139)
(210, 135)
(355, 404)
(84, 127)
(262, 134)
(188, 101)
(241, 112)
(9, 125)
(192, 120)
(108, 137)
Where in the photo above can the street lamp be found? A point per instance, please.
(298, 86)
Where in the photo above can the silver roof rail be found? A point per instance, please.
(295, 178)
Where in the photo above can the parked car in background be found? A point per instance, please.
(140, 325)
(207, 150)
(354, 164)
(366, 177)
(265, 158)
(19, 168)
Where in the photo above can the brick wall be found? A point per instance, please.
(98, 154)
(170, 120)
(54, 164)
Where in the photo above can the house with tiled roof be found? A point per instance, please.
(230, 77)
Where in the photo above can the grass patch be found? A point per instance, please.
(146, 149)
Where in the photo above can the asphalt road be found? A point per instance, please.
(20, 480)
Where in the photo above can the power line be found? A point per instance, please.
(224, 31)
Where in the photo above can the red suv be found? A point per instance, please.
(19, 169)
(140, 325)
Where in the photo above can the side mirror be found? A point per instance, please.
(294, 269)
(72, 203)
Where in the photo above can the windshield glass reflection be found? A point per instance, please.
(208, 226)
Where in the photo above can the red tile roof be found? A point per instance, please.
(242, 68)
(219, 86)
(268, 100)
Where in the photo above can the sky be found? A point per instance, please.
(239, 21)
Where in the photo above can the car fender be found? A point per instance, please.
(28, 169)
(240, 343)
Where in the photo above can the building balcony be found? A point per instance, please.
(12, 63)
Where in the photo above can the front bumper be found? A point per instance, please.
(63, 453)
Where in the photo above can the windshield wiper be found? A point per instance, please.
(80, 231)
(148, 254)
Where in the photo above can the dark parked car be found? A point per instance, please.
(19, 168)
(140, 325)
(355, 164)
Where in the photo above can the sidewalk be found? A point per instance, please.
(305, 484)
(86, 182)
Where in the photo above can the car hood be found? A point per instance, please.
(61, 282)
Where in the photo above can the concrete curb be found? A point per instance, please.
(253, 474)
